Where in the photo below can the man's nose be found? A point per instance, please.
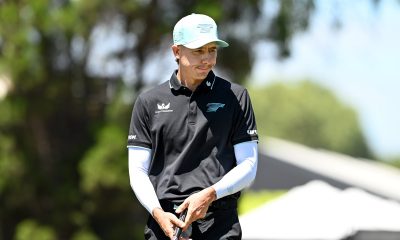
(206, 57)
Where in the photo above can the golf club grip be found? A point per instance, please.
(178, 230)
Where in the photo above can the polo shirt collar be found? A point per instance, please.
(207, 84)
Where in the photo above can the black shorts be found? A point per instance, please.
(221, 222)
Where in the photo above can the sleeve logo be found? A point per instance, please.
(131, 137)
(252, 132)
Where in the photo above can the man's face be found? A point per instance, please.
(196, 63)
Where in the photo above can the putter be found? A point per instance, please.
(178, 230)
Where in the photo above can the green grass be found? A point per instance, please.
(251, 199)
(395, 162)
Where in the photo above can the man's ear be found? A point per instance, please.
(176, 51)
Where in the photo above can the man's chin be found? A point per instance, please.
(203, 73)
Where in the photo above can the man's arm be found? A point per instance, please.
(235, 180)
(139, 163)
(243, 174)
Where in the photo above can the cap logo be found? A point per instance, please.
(179, 36)
(205, 28)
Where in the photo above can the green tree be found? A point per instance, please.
(30, 230)
(309, 114)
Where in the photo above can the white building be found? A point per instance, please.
(333, 197)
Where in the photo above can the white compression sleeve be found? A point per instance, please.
(243, 174)
(139, 163)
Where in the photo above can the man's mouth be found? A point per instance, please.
(203, 68)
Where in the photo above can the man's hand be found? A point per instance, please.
(167, 221)
(197, 205)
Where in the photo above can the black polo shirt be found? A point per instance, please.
(191, 134)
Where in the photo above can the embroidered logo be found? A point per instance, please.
(208, 84)
(213, 107)
(252, 132)
(131, 137)
(205, 28)
(164, 107)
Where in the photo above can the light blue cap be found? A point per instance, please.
(196, 30)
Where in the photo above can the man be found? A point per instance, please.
(193, 142)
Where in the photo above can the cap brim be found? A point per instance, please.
(201, 42)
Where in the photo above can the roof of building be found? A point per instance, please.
(373, 176)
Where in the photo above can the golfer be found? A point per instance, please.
(193, 142)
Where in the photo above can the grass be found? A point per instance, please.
(252, 199)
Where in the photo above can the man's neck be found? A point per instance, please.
(188, 82)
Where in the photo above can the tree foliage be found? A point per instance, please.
(311, 115)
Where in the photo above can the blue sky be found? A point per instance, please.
(359, 62)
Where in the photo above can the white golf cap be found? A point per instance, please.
(196, 30)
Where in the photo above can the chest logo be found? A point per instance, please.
(163, 107)
(213, 107)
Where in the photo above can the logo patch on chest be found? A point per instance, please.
(164, 107)
(213, 107)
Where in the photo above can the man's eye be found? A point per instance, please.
(198, 52)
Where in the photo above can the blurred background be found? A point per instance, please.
(323, 74)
